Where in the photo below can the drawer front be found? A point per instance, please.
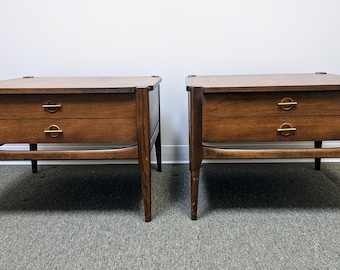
(68, 106)
(282, 104)
(68, 131)
(271, 129)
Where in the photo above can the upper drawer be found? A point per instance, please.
(68, 106)
(271, 104)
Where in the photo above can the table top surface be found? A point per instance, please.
(77, 84)
(269, 82)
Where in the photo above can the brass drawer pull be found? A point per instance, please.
(287, 103)
(286, 129)
(53, 130)
(51, 106)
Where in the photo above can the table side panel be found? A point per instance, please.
(154, 109)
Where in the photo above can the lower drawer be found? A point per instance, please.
(266, 129)
(68, 131)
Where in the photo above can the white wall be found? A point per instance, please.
(168, 38)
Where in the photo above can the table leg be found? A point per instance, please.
(145, 170)
(34, 147)
(143, 139)
(195, 144)
(194, 194)
(317, 144)
(158, 146)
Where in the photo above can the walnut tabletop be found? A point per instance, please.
(46, 85)
(269, 82)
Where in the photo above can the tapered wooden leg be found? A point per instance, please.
(143, 140)
(158, 144)
(317, 144)
(159, 152)
(34, 147)
(194, 194)
(195, 144)
(145, 170)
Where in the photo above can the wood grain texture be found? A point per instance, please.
(74, 131)
(72, 106)
(217, 153)
(76, 85)
(265, 104)
(265, 129)
(267, 83)
(122, 153)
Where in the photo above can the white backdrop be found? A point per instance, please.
(171, 39)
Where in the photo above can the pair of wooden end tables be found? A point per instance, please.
(125, 111)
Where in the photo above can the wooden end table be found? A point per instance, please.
(261, 108)
(113, 110)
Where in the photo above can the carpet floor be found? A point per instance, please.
(250, 216)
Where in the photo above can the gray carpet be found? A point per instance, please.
(251, 216)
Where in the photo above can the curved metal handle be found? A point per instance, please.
(286, 129)
(53, 130)
(287, 103)
(51, 106)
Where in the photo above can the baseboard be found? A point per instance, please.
(174, 154)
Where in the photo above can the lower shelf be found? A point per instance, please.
(220, 153)
(130, 152)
